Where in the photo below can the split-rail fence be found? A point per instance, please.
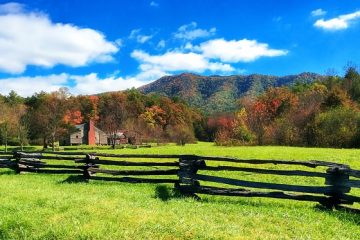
(192, 174)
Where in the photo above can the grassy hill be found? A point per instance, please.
(40, 206)
(220, 93)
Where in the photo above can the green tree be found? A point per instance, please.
(46, 116)
(337, 127)
(351, 83)
(112, 114)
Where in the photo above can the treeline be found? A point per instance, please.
(324, 113)
(46, 118)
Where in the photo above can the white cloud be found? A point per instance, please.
(119, 42)
(86, 84)
(29, 38)
(339, 23)
(154, 4)
(189, 46)
(178, 61)
(150, 75)
(318, 12)
(199, 58)
(11, 7)
(91, 84)
(161, 44)
(26, 86)
(191, 32)
(140, 38)
(238, 50)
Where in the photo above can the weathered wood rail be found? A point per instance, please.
(191, 174)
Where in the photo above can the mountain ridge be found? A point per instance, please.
(215, 93)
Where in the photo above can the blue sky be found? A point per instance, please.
(96, 46)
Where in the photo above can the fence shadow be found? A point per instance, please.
(166, 193)
(74, 179)
(7, 172)
(342, 213)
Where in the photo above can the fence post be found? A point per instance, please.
(188, 167)
(88, 164)
(17, 157)
(338, 179)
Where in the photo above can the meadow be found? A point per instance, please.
(39, 206)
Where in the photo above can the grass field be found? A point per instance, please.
(36, 206)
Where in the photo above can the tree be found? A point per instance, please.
(337, 127)
(351, 83)
(155, 116)
(261, 112)
(13, 98)
(88, 106)
(112, 114)
(21, 124)
(241, 132)
(46, 116)
(5, 122)
(336, 97)
(302, 117)
(73, 117)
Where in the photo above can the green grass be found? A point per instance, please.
(36, 206)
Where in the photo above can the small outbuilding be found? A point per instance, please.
(126, 137)
(88, 134)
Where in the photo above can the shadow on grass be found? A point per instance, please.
(166, 193)
(74, 179)
(343, 213)
(7, 172)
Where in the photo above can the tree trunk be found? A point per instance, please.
(6, 140)
(113, 141)
(44, 143)
(53, 142)
(20, 137)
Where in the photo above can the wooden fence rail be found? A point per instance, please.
(191, 173)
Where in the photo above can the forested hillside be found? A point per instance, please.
(325, 113)
(213, 94)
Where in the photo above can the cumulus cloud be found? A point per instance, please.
(26, 86)
(238, 50)
(318, 12)
(338, 23)
(191, 32)
(80, 84)
(11, 7)
(178, 61)
(140, 38)
(91, 84)
(150, 75)
(29, 38)
(213, 55)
